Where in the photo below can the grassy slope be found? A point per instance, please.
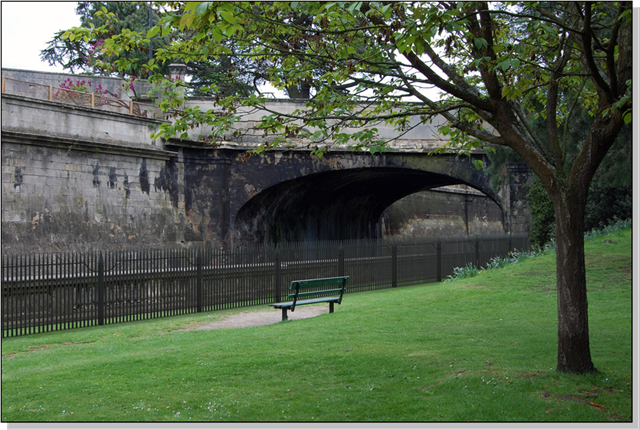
(476, 349)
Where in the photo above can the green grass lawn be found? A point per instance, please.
(478, 349)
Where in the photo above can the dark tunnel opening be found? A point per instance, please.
(338, 205)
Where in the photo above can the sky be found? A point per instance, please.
(26, 29)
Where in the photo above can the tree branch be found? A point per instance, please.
(587, 35)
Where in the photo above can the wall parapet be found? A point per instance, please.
(25, 114)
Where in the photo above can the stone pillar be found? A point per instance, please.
(177, 72)
(513, 195)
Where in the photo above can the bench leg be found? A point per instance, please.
(284, 314)
(330, 307)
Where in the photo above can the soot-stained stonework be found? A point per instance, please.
(204, 196)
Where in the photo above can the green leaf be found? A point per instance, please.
(166, 28)
(230, 30)
(217, 34)
(354, 6)
(228, 16)
(627, 117)
(153, 31)
(504, 65)
(480, 43)
(186, 20)
(191, 5)
(202, 7)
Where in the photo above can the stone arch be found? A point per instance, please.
(338, 205)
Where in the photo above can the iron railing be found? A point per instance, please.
(51, 292)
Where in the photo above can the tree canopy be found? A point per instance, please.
(85, 54)
(490, 69)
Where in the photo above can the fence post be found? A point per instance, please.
(100, 290)
(477, 247)
(439, 261)
(510, 244)
(199, 280)
(394, 265)
(130, 107)
(50, 92)
(341, 259)
(277, 274)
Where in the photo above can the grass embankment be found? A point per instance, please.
(475, 349)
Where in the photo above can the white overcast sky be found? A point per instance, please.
(28, 26)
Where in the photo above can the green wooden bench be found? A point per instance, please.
(331, 296)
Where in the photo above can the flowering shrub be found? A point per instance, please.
(94, 49)
(129, 85)
(68, 92)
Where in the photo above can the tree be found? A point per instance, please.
(610, 192)
(487, 60)
(84, 55)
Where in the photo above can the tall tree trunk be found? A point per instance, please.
(574, 354)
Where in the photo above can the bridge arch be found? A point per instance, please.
(340, 204)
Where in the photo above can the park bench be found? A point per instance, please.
(331, 296)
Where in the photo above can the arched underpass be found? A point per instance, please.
(336, 205)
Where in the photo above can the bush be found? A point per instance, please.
(605, 205)
(542, 228)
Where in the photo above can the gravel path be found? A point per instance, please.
(251, 319)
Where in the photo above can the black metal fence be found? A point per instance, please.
(51, 292)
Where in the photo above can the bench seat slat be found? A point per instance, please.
(306, 302)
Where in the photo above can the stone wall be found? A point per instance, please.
(76, 178)
(61, 199)
(443, 212)
(112, 84)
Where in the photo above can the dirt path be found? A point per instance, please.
(272, 316)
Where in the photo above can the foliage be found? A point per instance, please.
(86, 55)
(499, 160)
(359, 47)
(614, 227)
(542, 228)
(606, 204)
(468, 271)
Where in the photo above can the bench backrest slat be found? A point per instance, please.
(316, 293)
(311, 283)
